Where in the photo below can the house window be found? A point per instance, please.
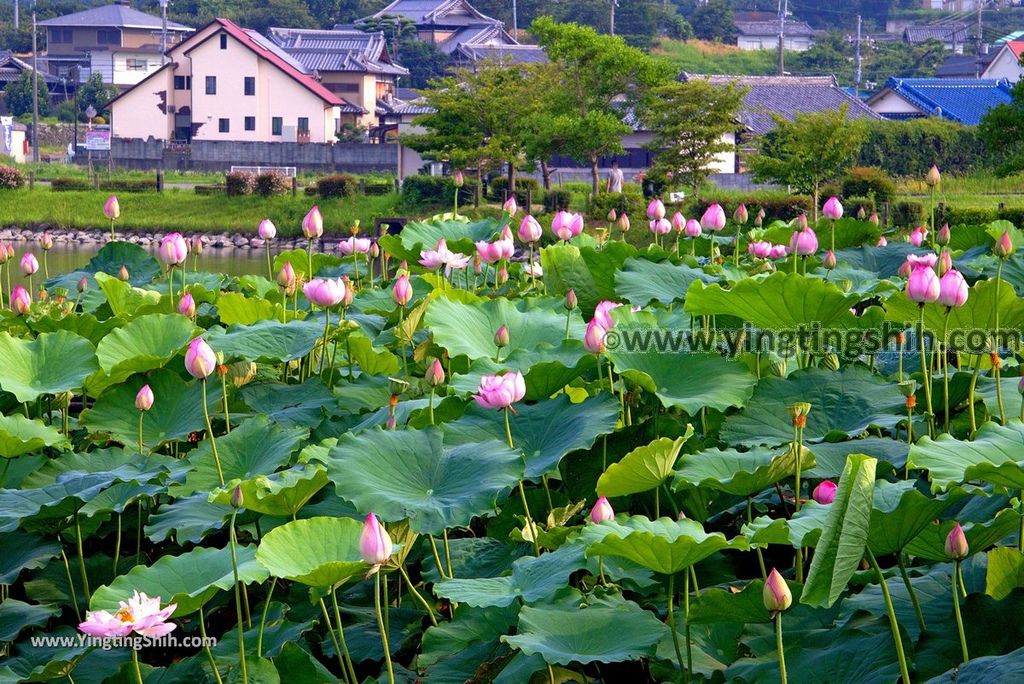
(250, 85)
(250, 123)
(276, 124)
(183, 83)
(224, 125)
(343, 87)
(136, 64)
(108, 37)
(303, 124)
(211, 85)
(60, 35)
(223, 41)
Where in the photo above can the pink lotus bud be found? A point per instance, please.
(612, 215)
(953, 289)
(904, 270)
(123, 273)
(375, 542)
(759, 217)
(46, 242)
(112, 208)
(501, 277)
(187, 306)
(623, 222)
(511, 207)
(460, 180)
(237, 498)
(313, 224)
(861, 213)
(945, 262)
(435, 374)
(529, 229)
(833, 209)
(740, 216)
(500, 391)
(678, 222)
(402, 290)
(21, 301)
(917, 236)
(286, 276)
(942, 235)
(923, 283)
(144, 398)
(874, 218)
(829, 261)
(692, 229)
(804, 242)
(778, 252)
(956, 543)
(173, 249)
(374, 250)
(602, 511)
(776, 594)
(593, 340)
(661, 226)
(200, 361)
(801, 221)
(1004, 246)
(267, 230)
(825, 492)
(29, 263)
(10, 252)
(501, 337)
(933, 177)
(656, 209)
(713, 219)
(195, 245)
(570, 299)
(83, 284)
(350, 292)
(325, 292)
(882, 242)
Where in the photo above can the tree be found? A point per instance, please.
(96, 93)
(809, 151)
(714, 21)
(261, 16)
(425, 62)
(599, 78)
(691, 121)
(18, 95)
(398, 30)
(1002, 130)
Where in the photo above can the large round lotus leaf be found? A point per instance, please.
(319, 552)
(299, 259)
(545, 432)
(885, 261)
(664, 545)
(844, 402)
(266, 341)
(234, 308)
(977, 313)
(642, 469)
(19, 435)
(469, 328)
(410, 474)
(545, 368)
(289, 404)
(589, 272)
(84, 324)
(726, 604)
(994, 454)
(124, 299)
(459, 233)
(849, 232)
(143, 344)
(981, 535)
(602, 633)
(58, 500)
(17, 615)
(281, 494)
(1012, 398)
(641, 281)
(802, 529)
(189, 580)
(830, 457)
(51, 363)
(780, 301)
(187, 519)
(22, 551)
(901, 511)
(740, 473)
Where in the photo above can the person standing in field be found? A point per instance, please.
(615, 178)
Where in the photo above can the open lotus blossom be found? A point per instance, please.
(511, 207)
(776, 593)
(267, 230)
(957, 547)
(833, 209)
(713, 219)
(200, 360)
(313, 224)
(29, 263)
(355, 245)
(437, 257)
(374, 543)
(173, 249)
(602, 313)
(824, 493)
(489, 252)
(401, 292)
(661, 226)
(144, 398)
(953, 290)
(593, 340)
(112, 208)
(140, 614)
(500, 391)
(692, 229)
(602, 511)
(923, 283)
(325, 292)
(533, 269)
(656, 210)
(187, 306)
(804, 242)
(917, 236)
(566, 226)
(530, 229)
(21, 301)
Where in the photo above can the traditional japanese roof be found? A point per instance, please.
(767, 24)
(11, 68)
(964, 66)
(963, 100)
(944, 33)
(436, 12)
(505, 54)
(337, 50)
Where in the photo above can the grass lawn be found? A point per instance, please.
(702, 57)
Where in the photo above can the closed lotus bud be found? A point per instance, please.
(833, 209)
(46, 242)
(942, 235)
(933, 176)
(112, 209)
(200, 361)
(907, 388)
(21, 301)
(612, 216)
(374, 542)
(829, 261)
(83, 284)
(435, 374)
(776, 594)
(945, 262)
(759, 218)
(501, 338)
(350, 293)
(144, 398)
(401, 292)
(798, 412)
(861, 213)
(123, 273)
(801, 221)
(570, 299)
(904, 270)
(313, 224)
(374, 250)
(237, 499)
(510, 206)
(956, 543)
(286, 276)
(267, 230)
(195, 245)
(874, 218)
(187, 306)
(1004, 246)
(623, 222)
(831, 361)
(460, 180)
(29, 263)
(824, 493)
(602, 511)
(741, 215)
(502, 276)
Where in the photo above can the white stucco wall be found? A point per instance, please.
(1005, 65)
(889, 102)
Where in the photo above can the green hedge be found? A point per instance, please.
(239, 183)
(630, 202)
(425, 191)
(851, 205)
(116, 185)
(340, 185)
(497, 186)
(909, 148)
(776, 205)
(557, 200)
(958, 216)
(868, 181)
(906, 214)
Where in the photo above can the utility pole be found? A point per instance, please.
(856, 68)
(611, 20)
(35, 89)
(783, 9)
(17, 16)
(163, 31)
(515, 21)
(978, 40)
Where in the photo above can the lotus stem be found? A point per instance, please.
(341, 636)
(686, 618)
(970, 393)
(206, 646)
(209, 433)
(227, 411)
(263, 618)
(383, 629)
(760, 556)
(568, 319)
(334, 640)
(117, 545)
(238, 598)
(447, 552)
(71, 584)
(327, 329)
(995, 348)
(135, 666)
(141, 414)
(430, 405)
(170, 286)
(672, 622)
(81, 559)
(419, 597)
(925, 372)
(956, 614)
(778, 647)
(437, 558)
(522, 492)
(309, 256)
(894, 624)
(910, 590)
(46, 269)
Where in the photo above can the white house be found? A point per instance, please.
(1006, 63)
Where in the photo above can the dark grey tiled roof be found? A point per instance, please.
(116, 16)
(770, 27)
(351, 50)
(505, 54)
(435, 12)
(11, 68)
(942, 33)
(964, 66)
(787, 96)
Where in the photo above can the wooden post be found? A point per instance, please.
(476, 195)
(295, 186)
(95, 180)
(160, 180)
(31, 180)
(362, 186)
(885, 214)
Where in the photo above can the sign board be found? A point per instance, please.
(676, 197)
(97, 140)
(7, 131)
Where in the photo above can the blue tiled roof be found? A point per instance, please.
(965, 100)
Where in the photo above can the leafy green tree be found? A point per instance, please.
(425, 62)
(261, 16)
(18, 95)
(599, 78)
(1002, 130)
(691, 122)
(397, 30)
(714, 21)
(96, 93)
(809, 151)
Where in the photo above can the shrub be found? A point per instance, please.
(851, 205)
(272, 183)
(378, 184)
(632, 203)
(115, 185)
(906, 214)
(209, 189)
(909, 148)
(557, 200)
(239, 183)
(11, 178)
(868, 181)
(340, 185)
(776, 205)
(420, 191)
(497, 187)
(958, 216)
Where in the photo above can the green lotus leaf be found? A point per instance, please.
(124, 299)
(318, 552)
(23, 551)
(1004, 572)
(1012, 398)
(19, 435)
(83, 324)
(589, 272)
(266, 341)
(643, 469)
(901, 511)
(846, 402)
(143, 344)
(410, 474)
(282, 493)
(841, 548)
(453, 651)
(608, 634)
(545, 432)
(51, 363)
(17, 615)
(459, 234)
(997, 668)
(930, 544)
(142, 267)
(641, 281)
(728, 605)
(885, 261)
(830, 457)
(289, 405)
(931, 587)
(739, 473)
(994, 454)
(60, 499)
(188, 580)
(234, 308)
(977, 313)
(803, 529)
(849, 232)
(187, 519)
(664, 545)
(545, 368)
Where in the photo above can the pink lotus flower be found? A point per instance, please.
(200, 360)
(1004, 246)
(140, 614)
(354, 245)
(313, 224)
(693, 229)
(489, 252)
(873, 218)
(435, 374)
(187, 306)
(566, 226)
(923, 283)
(195, 245)
(286, 276)
(943, 235)
(374, 542)
(21, 301)
(144, 398)
(593, 340)
(678, 222)
(656, 210)
(661, 226)
(267, 230)
(933, 176)
(325, 292)
(112, 208)
(945, 263)
(535, 269)
(760, 249)
(953, 289)
(882, 242)
(505, 245)
(957, 547)
(402, 290)
(459, 179)
(713, 219)
(29, 263)
(530, 229)
(173, 249)
(500, 391)
(623, 223)
(741, 215)
(602, 511)
(825, 492)
(776, 594)
(46, 242)
(833, 209)
(510, 207)
(917, 236)
(602, 313)
(778, 252)
(804, 242)
(829, 261)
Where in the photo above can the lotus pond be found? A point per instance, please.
(520, 455)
